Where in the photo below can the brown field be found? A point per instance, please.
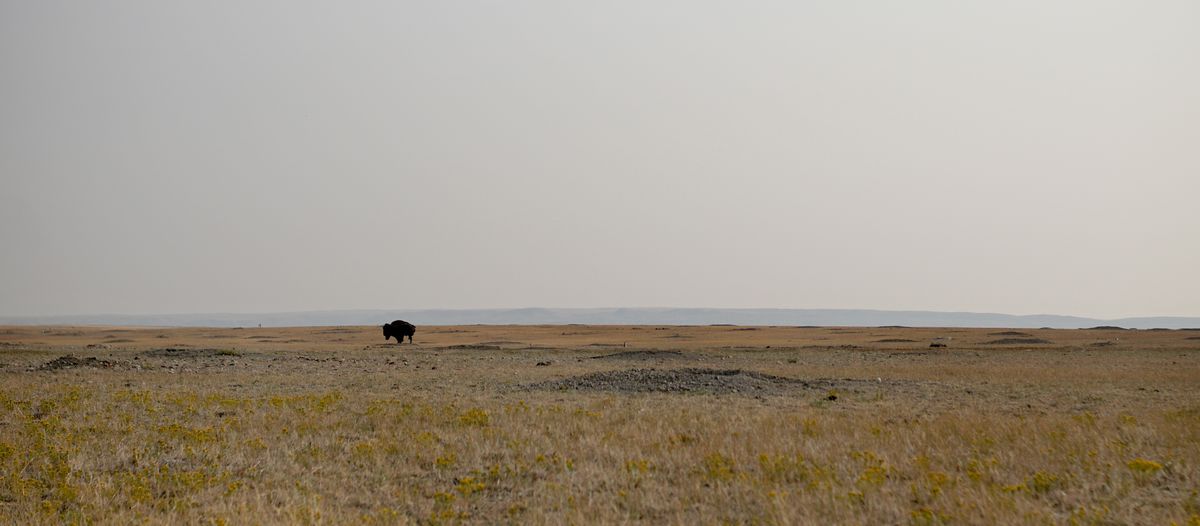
(590, 424)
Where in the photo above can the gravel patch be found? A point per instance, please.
(690, 380)
(182, 353)
(1018, 341)
(70, 361)
(640, 355)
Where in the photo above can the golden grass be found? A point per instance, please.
(323, 431)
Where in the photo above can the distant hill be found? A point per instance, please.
(613, 316)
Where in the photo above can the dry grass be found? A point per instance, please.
(326, 425)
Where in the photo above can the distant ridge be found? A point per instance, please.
(614, 316)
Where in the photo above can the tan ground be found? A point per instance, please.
(330, 425)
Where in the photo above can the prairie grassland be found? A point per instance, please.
(327, 425)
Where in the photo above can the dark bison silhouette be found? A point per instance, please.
(399, 329)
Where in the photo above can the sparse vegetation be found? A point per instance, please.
(432, 435)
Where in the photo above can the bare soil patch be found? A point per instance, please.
(1009, 333)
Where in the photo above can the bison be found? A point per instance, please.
(399, 329)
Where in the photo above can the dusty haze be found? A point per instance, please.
(1022, 157)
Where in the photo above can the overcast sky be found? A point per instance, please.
(1021, 157)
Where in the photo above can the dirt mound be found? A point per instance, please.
(688, 380)
(1009, 333)
(70, 361)
(895, 340)
(172, 352)
(1192, 338)
(640, 355)
(1018, 341)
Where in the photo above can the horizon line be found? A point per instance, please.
(468, 309)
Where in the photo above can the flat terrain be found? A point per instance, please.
(586, 424)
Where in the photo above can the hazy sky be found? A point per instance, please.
(1022, 157)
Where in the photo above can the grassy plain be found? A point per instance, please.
(329, 425)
